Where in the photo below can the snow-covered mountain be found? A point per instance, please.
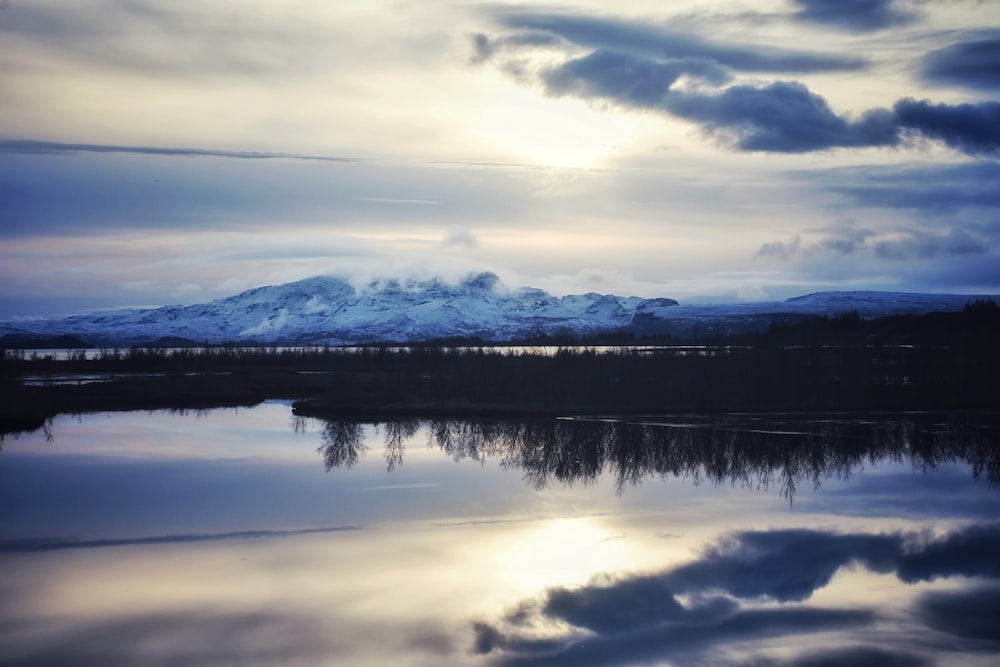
(326, 310)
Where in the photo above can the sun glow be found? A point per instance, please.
(556, 132)
(563, 552)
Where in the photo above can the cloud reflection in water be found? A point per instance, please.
(891, 562)
(695, 608)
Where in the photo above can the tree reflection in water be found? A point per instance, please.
(744, 450)
(343, 443)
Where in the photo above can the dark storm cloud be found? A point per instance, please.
(783, 117)
(970, 128)
(638, 618)
(974, 64)
(856, 15)
(633, 81)
(662, 42)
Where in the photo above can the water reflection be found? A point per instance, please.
(743, 450)
(217, 538)
(697, 609)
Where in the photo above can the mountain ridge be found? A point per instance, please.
(325, 310)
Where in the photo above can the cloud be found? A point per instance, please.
(843, 245)
(31, 147)
(856, 15)
(488, 638)
(459, 237)
(780, 249)
(485, 47)
(938, 189)
(782, 117)
(653, 41)
(956, 256)
(923, 245)
(626, 79)
(176, 41)
(646, 67)
(839, 241)
(269, 325)
(970, 128)
(971, 64)
(892, 244)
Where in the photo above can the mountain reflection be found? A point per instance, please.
(760, 451)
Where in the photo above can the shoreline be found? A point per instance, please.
(436, 382)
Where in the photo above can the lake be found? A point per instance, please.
(253, 537)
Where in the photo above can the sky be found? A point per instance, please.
(171, 153)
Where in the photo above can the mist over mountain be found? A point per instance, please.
(327, 310)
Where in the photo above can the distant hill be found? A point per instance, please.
(327, 310)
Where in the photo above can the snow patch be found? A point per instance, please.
(268, 326)
(314, 305)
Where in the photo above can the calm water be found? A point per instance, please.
(252, 538)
